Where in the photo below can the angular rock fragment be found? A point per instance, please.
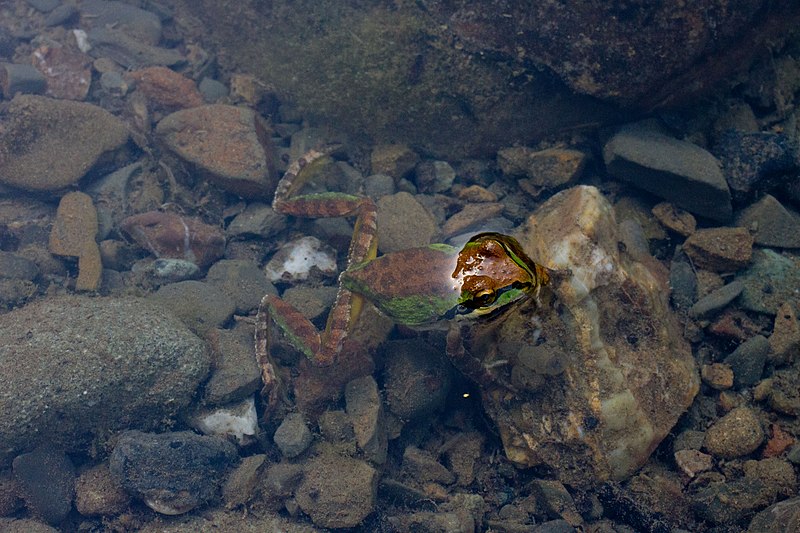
(675, 170)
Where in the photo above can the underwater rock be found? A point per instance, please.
(76, 368)
(39, 131)
(171, 472)
(170, 235)
(230, 145)
(617, 370)
(47, 480)
(73, 234)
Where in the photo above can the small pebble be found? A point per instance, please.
(293, 436)
(98, 494)
(736, 434)
(716, 300)
(747, 361)
(46, 478)
(676, 219)
(693, 462)
(718, 376)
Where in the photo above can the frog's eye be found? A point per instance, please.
(482, 299)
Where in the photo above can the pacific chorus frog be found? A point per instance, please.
(418, 287)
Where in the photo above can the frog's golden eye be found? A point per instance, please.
(482, 299)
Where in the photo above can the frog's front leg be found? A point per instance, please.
(321, 348)
(467, 352)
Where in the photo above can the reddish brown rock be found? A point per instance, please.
(73, 234)
(717, 376)
(173, 236)
(229, 144)
(720, 249)
(166, 88)
(68, 72)
(779, 441)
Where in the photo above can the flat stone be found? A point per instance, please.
(77, 371)
(678, 171)
(720, 249)
(171, 472)
(39, 131)
(628, 413)
(337, 492)
(403, 223)
(715, 301)
(73, 234)
(130, 52)
(231, 144)
(133, 21)
(257, 219)
(471, 217)
(771, 223)
(736, 434)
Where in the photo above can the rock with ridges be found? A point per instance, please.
(89, 366)
(675, 170)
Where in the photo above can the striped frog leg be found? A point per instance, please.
(322, 348)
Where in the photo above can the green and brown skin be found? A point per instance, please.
(489, 275)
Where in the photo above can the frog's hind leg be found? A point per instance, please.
(322, 349)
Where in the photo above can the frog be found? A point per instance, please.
(438, 286)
